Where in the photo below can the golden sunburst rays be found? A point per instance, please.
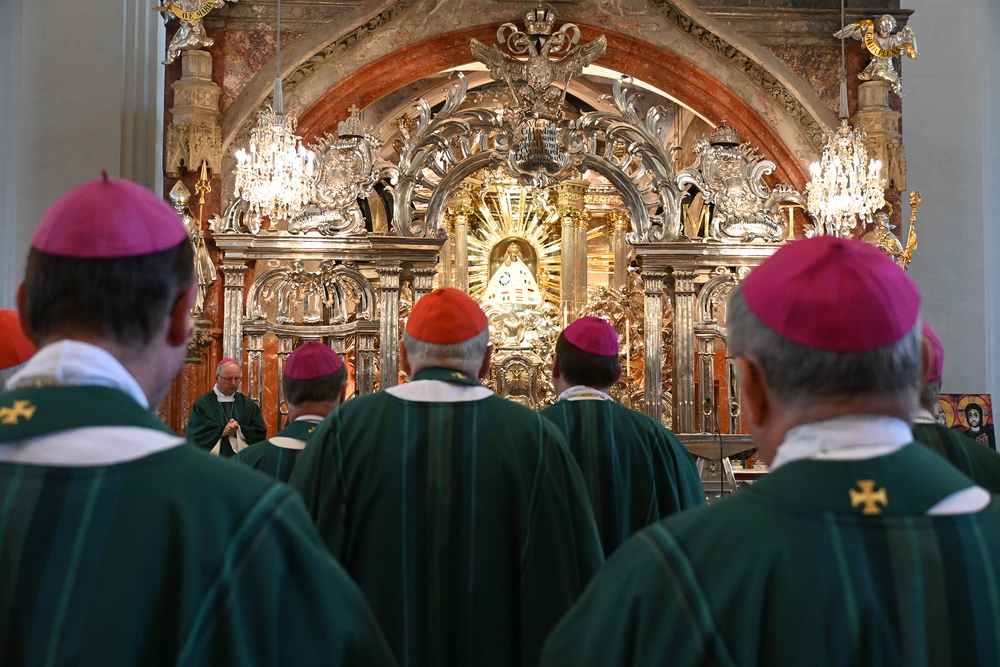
(506, 212)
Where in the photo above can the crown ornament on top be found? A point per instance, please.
(540, 20)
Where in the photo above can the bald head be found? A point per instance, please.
(228, 376)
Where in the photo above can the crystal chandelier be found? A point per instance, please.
(274, 175)
(846, 187)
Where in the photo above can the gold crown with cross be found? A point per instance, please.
(540, 20)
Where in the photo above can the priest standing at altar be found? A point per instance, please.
(859, 547)
(122, 544)
(225, 421)
(461, 515)
(637, 471)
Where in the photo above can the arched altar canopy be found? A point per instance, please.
(701, 64)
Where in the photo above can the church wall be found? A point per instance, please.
(952, 159)
(80, 91)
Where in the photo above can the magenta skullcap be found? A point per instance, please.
(108, 218)
(833, 294)
(935, 362)
(593, 335)
(227, 360)
(312, 360)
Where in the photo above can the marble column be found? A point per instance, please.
(388, 273)
(233, 273)
(684, 305)
(652, 283)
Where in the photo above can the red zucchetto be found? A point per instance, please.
(833, 294)
(108, 218)
(312, 360)
(15, 348)
(446, 316)
(593, 335)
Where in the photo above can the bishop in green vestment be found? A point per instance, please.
(314, 383)
(636, 471)
(975, 460)
(121, 544)
(461, 515)
(860, 547)
(225, 421)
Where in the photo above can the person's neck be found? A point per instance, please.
(318, 408)
(142, 363)
(786, 417)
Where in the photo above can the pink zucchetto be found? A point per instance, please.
(227, 360)
(935, 361)
(312, 360)
(593, 335)
(833, 294)
(108, 218)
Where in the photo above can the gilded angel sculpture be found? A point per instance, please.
(191, 33)
(884, 44)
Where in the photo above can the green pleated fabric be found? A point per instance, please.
(273, 460)
(637, 472)
(977, 461)
(467, 525)
(792, 572)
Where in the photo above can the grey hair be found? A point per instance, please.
(929, 396)
(802, 376)
(466, 356)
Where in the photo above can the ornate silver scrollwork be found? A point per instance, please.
(336, 294)
(729, 174)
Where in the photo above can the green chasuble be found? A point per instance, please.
(172, 558)
(274, 460)
(637, 471)
(209, 417)
(792, 571)
(977, 461)
(466, 524)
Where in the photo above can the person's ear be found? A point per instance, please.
(618, 374)
(180, 326)
(556, 373)
(484, 370)
(755, 398)
(22, 315)
(404, 361)
(343, 395)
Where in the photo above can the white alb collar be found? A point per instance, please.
(222, 397)
(848, 438)
(73, 362)
(581, 392)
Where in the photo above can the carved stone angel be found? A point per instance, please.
(884, 45)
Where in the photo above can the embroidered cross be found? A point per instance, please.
(10, 415)
(460, 376)
(868, 497)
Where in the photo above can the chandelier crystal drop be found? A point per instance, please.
(274, 173)
(846, 186)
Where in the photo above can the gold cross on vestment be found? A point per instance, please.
(868, 497)
(460, 376)
(10, 415)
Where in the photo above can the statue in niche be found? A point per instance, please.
(513, 284)
(884, 44)
(204, 268)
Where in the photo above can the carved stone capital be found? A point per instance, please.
(200, 339)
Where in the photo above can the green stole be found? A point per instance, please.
(35, 411)
(881, 485)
